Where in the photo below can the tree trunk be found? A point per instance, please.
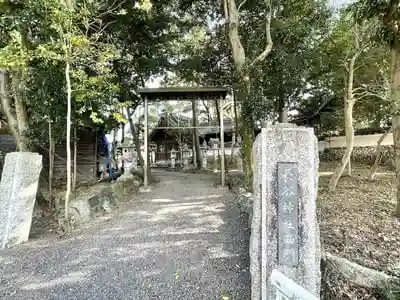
(349, 166)
(96, 154)
(243, 67)
(209, 119)
(378, 157)
(348, 121)
(243, 89)
(6, 105)
(396, 143)
(284, 115)
(282, 109)
(75, 162)
(18, 122)
(395, 99)
(196, 142)
(114, 144)
(235, 114)
(233, 146)
(216, 104)
(20, 111)
(136, 138)
(68, 144)
(51, 168)
(247, 132)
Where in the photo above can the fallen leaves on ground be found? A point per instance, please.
(358, 220)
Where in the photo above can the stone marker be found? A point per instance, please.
(285, 232)
(18, 188)
(288, 214)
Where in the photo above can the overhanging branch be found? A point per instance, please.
(269, 44)
(364, 94)
(241, 4)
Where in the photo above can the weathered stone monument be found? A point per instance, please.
(18, 188)
(285, 232)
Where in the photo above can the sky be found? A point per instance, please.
(338, 3)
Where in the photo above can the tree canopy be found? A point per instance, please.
(282, 60)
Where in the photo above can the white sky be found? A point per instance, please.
(339, 3)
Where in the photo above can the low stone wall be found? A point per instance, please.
(365, 155)
(87, 202)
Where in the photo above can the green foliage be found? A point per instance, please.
(55, 35)
(114, 48)
(387, 15)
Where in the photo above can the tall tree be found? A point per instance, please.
(388, 15)
(243, 66)
(357, 42)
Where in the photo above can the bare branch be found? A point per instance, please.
(232, 22)
(357, 36)
(112, 9)
(378, 155)
(364, 94)
(268, 47)
(105, 27)
(359, 66)
(225, 4)
(346, 67)
(358, 89)
(241, 4)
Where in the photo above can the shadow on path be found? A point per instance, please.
(184, 240)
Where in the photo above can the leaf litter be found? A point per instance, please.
(358, 222)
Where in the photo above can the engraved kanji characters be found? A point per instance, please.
(287, 207)
(288, 254)
(287, 226)
(289, 240)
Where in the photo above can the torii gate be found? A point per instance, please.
(181, 94)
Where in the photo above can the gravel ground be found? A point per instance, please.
(184, 240)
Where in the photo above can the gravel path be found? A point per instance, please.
(186, 240)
